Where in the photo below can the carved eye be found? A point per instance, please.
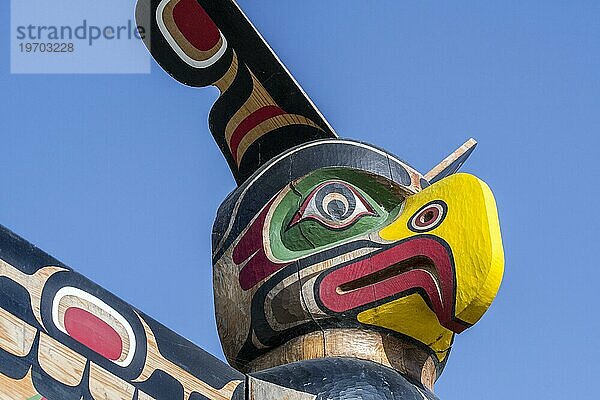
(334, 204)
(428, 217)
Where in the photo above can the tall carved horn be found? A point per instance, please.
(261, 111)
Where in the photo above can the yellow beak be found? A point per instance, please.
(459, 211)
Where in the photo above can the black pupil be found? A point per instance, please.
(336, 209)
(336, 201)
(428, 216)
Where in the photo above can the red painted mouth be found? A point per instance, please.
(422, 263)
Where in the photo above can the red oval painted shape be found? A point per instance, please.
(94, 333)
(195, 24)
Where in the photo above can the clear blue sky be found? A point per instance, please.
(118, 176)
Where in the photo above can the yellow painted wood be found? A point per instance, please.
(472, 230)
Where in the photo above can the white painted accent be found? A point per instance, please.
(422, 394)
(173, 43)
(71, 291)
(437, 286)
(308, 295)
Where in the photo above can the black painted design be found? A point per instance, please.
(15, 299)
(345, 378)
(254, 58)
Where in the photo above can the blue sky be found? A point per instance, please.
(118, 176)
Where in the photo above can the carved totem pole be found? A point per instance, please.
(340, 272)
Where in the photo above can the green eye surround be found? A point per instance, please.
(328, 207)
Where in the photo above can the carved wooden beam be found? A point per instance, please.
(64, 337)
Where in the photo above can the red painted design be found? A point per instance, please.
(94, 333)
(439, 290)
(250, 122)
(195, 25)
(250, 253)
